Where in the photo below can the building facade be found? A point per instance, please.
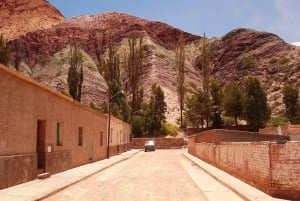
(45, 131)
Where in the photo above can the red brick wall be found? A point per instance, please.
(221, 135)
(285, 160)
(273, 168)
(160, 143)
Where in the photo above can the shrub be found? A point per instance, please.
(284, 61)
(248, 63)
(169, 129)
(273, 61)
(278, 120)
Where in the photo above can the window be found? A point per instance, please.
(80, 136)
(58, 134)
(101, 138)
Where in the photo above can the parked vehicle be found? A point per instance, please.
(149, 145)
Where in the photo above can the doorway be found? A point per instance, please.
(41, 145)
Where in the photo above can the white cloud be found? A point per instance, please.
(296, 43)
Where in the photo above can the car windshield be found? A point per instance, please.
(149, 142)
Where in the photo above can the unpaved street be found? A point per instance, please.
(160, 175)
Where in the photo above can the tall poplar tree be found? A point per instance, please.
(110, 70)
(4, 51)
(134, 68)
(205, 64)
(180, 67)
(75, 73)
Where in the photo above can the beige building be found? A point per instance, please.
(45, 131)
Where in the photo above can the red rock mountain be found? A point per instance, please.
(43, 55)
(19, 17)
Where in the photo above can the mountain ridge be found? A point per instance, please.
(42, 55)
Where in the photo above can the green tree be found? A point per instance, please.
(291, 101)
(233, 101)
(134, 68)
(198, 108)
(110, 70)
(205, 64)
(4, 51)
(216, 93)
(180, 67)
(75, 73)
(257, 111)
(157, 110)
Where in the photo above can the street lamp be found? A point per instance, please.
(109, 114)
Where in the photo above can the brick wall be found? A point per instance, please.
(271, 167)
(220, 135)
(160, 143)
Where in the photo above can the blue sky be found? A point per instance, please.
(215, 17)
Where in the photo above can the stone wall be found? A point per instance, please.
(271, 167)
(17, 169)
(160, 143)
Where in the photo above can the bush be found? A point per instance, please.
(228, 121)
(284, 61)
(273, 61)
(278, 120)
(169, 129)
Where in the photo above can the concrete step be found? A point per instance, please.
(43, 175)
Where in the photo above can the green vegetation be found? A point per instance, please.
(248, 63)
(4, 51)
(291, 101)
(233, 101)
(205, 64)
(257, 111)
(110, 70)
(169, 129)
(273, 61)
(134, 69)
(275, 121)
(75, 73)
(149, 120)
(180, 67)
(198, 109)
(157, 109)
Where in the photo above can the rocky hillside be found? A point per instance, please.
(19, 17)
(43, 55)
(244, 52)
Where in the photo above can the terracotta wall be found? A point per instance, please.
(23, 102)
(160, 143)
(273, 168)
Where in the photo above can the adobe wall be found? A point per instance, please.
(160, 143)
(273, 168)
(23, 102)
